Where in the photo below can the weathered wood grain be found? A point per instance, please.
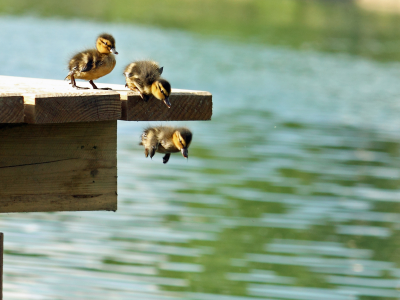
(43, 109)
(45, 87)
(58, 167)
(11, 108)
(1, 264)
(185, 106)
(55, 101)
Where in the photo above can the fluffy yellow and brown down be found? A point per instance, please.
(144, 77)
(92, 64)
(167, 140)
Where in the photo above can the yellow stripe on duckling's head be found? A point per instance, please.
(106, 44)
(161, 89)
(182, 138)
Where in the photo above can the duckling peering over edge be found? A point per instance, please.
(91, 64)
(144, 77)
(166, 139)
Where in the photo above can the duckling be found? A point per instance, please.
(144, 77)
(91, 64)
(166, 139)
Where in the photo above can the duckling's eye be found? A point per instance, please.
(162, 91)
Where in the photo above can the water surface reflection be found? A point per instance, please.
(290, 192)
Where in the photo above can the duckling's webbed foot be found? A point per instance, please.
(140, 93)
(151, 151)
(80, 87)
(149, 140)
(143, 96)
(166, 157)
(96, 88)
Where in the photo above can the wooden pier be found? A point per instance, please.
(58, 145)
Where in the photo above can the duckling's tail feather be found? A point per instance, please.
(69, 75)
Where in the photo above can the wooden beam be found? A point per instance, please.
(185, 106)
(1, 264)
(11, 108)
(58, 167)
(55, 101)
(64, 108)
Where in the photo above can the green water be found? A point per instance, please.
(290, 192)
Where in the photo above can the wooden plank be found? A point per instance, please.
(58, 167)
(1, 264)
(11, 108)
(64, 108)
(55, 101)
(185, 106)
(45, 87)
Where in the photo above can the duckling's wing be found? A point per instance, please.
(89, 64)
(132, 70)
(83, 61)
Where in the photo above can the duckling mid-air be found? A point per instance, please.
(144, 77)
(92, 64)
(165, 139)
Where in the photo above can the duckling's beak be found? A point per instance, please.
(185, 152)
(112, 50)
(167, 103)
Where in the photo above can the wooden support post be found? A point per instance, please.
(1, 264)
(58, 167)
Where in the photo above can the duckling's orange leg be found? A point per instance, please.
(166, 157)
(73, 83)
(96, 88)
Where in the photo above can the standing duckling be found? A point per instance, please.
(92, 64)
(166, 139)
(144, 77)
